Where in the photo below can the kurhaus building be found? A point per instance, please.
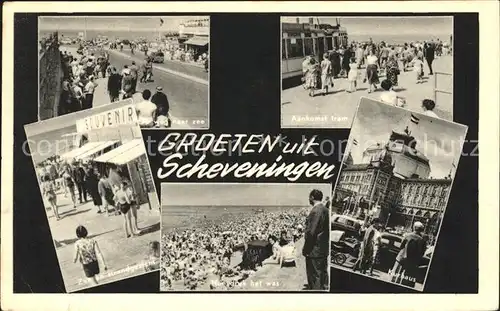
(395, 176)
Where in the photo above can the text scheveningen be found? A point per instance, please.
(177, 145)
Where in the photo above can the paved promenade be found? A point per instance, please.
(337, 109)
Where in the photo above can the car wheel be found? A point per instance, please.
(339, 259)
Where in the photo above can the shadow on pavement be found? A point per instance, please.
(150, 229)
(67, 242)
(73, 212)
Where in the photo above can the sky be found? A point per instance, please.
(441, 141)
(388, 25)
(117, 23)
(242, 194)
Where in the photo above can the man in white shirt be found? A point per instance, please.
(89, 93)
(146, 110)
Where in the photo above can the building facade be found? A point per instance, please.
(194, 35)
(397, 184)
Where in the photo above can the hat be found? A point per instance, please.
(418, 225)
(126, 71)
(159, 88)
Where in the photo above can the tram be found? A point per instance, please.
(302, 39)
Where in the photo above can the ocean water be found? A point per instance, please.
(397, 39)
(183, 217)
(111, 34)
(44, 145)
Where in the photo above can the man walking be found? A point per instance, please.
(79, 175)
(316, 240)
(114, 85)
(405, 268)
(429, 50)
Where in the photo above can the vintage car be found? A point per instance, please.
(350, 225)
(156, 56)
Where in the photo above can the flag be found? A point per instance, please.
(355, 142)
(414, 119)
(161, 22)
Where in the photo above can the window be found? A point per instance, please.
(283, 49)
(295, 47)
(308, 44)
(329, 43)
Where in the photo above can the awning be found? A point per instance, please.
(124, 153)
(100, 147)
(75, 152)
(200, 41)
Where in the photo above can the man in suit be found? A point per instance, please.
(79, 176)
(409, 257)
(316, 240)
(429, 50)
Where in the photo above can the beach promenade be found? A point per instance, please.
(337, 109)
(123, 256)
(187, 94)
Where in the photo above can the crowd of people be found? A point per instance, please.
(82, 181)
(195, 257)
(378, 60)
(201, 255)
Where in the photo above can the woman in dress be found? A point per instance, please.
(312, 76)
(93, 189)
(50, 194)
(86, 251)
(392, 70)
(371, 70)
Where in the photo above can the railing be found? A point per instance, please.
(438, 88)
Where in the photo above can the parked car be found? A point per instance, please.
(350, 225)
(390, 245)
(157, 56)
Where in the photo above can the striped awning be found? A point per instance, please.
(124, 153)
(75, 152)
(102, 145)
(199, 41)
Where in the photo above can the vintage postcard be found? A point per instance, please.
(392, 192)
(98, 193)
(245, 237)
(161, 62)
(329, 62)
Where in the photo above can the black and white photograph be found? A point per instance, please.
(329, 62)
(161, 62)
(392, 192)
(98, 193)
(245, 237)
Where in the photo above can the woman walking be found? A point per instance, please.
(134, 206)
(371, 71)
(50, 194)
(92, 187)
(70, 184)
(312, 76)
(392, 70)
(123, 201)
(86, 251)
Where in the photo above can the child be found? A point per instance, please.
(418, 68)
(153, 258)
(287, 254)
(388, 97)
(87, 250)
(353, 75)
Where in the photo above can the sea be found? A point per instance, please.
(111, 34)
(398, 38)
(45, 145)
(184, 217)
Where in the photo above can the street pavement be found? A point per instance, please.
(123, 255)
(188, 94)
(271, 277)
(377, 274)
(337, 109)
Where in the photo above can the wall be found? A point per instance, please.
(50, 78)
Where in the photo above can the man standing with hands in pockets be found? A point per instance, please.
(316, 240)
